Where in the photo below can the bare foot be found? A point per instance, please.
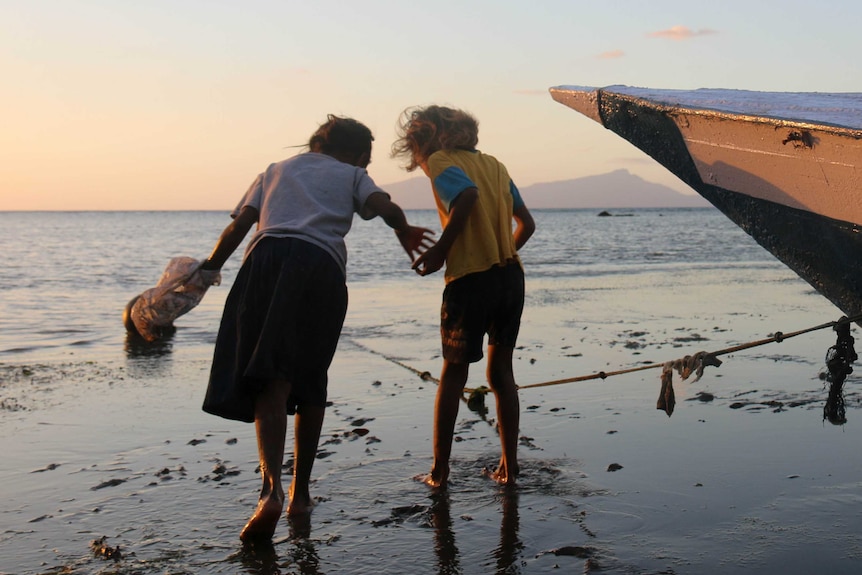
(300, 526)
(300, 503)
(264, 521)
(502, 475)
(428, 479)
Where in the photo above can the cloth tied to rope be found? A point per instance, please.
(684, 367)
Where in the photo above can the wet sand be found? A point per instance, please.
(111, 467)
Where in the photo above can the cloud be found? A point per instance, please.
(679, 33)
(531, 92)
(611, 55)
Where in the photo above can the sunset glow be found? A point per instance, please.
(161, 105)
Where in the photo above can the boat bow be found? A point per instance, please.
(785, 167)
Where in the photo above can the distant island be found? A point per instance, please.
(615, 190)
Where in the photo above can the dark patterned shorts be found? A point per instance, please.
(484, 302)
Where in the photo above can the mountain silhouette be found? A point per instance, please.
(613, 190)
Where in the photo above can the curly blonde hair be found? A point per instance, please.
(423, 131)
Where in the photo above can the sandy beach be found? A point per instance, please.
(751, 480)
(110, 466)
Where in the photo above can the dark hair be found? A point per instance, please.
(423, 131)
(341, 136)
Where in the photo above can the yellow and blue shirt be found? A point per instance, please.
(487, 238)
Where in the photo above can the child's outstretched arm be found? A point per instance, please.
(524, 226)
(414, 240)
(230, 238)
(435, 256)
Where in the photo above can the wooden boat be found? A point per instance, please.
(785, 167)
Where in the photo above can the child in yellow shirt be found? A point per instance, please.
(477, 202)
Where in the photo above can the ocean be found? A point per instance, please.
(109, 465)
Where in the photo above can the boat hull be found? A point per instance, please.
(792, 186)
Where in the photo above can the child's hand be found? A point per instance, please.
(415, 240)
(430, 261)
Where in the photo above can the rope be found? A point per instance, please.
(778, 337)
(475, 401)
(838, 360)
(703, 358)
(423, 375)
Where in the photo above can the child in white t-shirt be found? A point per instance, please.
(284, 314)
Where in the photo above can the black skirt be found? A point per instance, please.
(281, 322)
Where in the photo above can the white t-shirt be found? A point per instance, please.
(312, 197)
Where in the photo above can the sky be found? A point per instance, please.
(179, 104)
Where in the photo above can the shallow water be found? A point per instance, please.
(104, 439)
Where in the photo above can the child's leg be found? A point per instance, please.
(502, 380)
(449, 392)
(309, 421)
(270, 420)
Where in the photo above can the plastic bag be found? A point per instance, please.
(181, 287)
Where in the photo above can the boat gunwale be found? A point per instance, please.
(681, 109)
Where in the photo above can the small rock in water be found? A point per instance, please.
(573, 551)
(108, 483)
(614, 467)
(102, 549)
(406, 510)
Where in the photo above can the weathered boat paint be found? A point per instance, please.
(794, 185)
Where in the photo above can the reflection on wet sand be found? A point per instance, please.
(303, 553)
(136, 346)
(448, 557)
(508, 552)
(146, 359)
(506, 555)
(262, 557)
(258, 558)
